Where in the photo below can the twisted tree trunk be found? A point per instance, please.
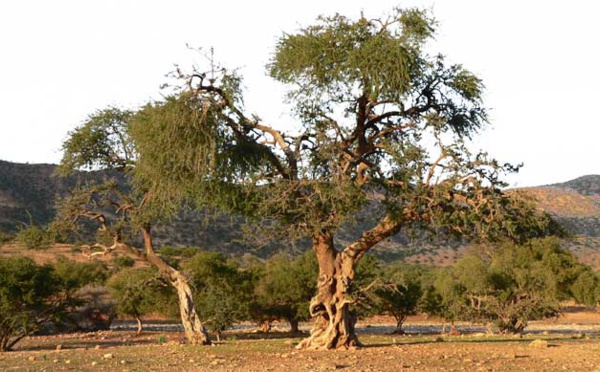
(333, 321)
(195, 332)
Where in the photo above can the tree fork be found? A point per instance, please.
(334, 323)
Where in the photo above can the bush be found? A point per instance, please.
(142, 291)
(509, 285)
(122, 262)
(222, 288)
(35, 237)
(27, 299)
(283, 289)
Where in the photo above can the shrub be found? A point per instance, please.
(34, 237)
(27, 299)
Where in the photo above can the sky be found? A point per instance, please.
(62, 60)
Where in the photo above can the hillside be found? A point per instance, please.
(31, 189)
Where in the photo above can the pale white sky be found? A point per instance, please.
(60, 60)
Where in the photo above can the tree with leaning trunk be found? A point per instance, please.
(116, 205)
(382, 126)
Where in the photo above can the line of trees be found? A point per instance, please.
(502, 287)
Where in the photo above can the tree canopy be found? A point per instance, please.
(382, 126)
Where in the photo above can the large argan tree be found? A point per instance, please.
(382, 126)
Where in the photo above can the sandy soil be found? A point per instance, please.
(570, 343)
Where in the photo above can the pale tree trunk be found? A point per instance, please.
(195, 332)
(138, 319)
(333, 321)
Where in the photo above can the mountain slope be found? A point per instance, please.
(28, 191)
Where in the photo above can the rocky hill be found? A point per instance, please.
(28, 193)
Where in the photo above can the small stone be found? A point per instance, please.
(94, 363)
(97, 347)
(58, 347)
(439, 339)
(55, 361)
(540, 344)
(123, 362)
(108, 356)
(31, 358)
(68, 361)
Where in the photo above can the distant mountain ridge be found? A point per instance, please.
(28, 192)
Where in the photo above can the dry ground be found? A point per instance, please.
(553, 346)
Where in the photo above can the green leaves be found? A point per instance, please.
(338, 59)
(102, 142)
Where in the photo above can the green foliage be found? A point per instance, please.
(142, 291)
(337, 57)
(510, 284)
(283, 289)
(122, 262)
(221, 289)
(586, 288)
(4, 237)
(35, 237)
(27, 298)
(379, 119)
(100, 143)
(83, 300)
(399, 293)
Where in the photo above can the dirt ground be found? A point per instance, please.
(569, 343)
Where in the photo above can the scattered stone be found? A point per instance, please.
(55, 361)
(108, 356)
(97, 347)
(94, 363)
(123, 362)
(540, 344)
(68, 361)
(545, 333)
(58, 347)
(31, 358)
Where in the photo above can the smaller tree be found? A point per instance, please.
(35, 237)
(85, 300)
(510, 284)
(141, 291)
(399, 293)
(28, 299)
(223, 291)
(443, 297)
(283, 289)
(586, 288)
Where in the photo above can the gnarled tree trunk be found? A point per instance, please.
(195, 332)
(333, 321)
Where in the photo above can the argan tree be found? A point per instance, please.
(119, 209)
(508, 285)
(382, 125)
(141, 291)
